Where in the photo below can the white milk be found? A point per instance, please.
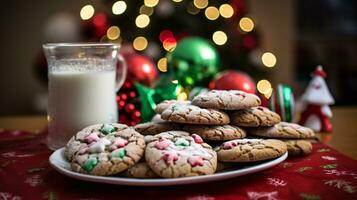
(79, 99)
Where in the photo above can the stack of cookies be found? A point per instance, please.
(187, 138)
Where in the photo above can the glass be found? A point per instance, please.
(83, 79)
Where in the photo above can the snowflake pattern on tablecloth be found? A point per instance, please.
(263, 195)
(276, 182)
(9, 196)
(302, 169)
(328, 158)
(342, 184)
(34, 180)
(13, 154)
(309, 196)
(329, 166)
(340, 173)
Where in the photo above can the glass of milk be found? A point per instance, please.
(82, 82)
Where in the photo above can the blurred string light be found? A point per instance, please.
(146, 10)
(192, 9)
(169, 44)
(162, 65)
(151, 3)
(246, 24)
(177, 1)
(201, 4)
(264, 86)
(174, 81)
(87, 12)
(140, 43)
(113, 33)
(119, 7)
(212, 13)
(182, 96)
(142, 21)
(268, 59)
(219, 37)
(226, 10)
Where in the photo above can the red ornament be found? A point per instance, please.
(96, 27)
(140, 69)
(233, 80)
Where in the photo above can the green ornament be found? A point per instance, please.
(149, 97)
(194, 62)
(90, 164)
(182, 142)
(119, 153)
(107, 129)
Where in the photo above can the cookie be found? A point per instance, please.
(167, 103)
(254, 117)
(109, 149)
(250, 150)
(175, 154)
(283, 130)
(191, 114)
(226, 100)
(298, 147)
(157, 118)
(139, 170)
(152, 128)
(224, 132)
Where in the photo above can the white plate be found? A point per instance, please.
(59, 162)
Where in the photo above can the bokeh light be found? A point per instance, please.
(246, 24)
(113, 33)
(268, 59)
(162, 65)
(201, 4)
(169, 44)
(192, 9)
(151, 3)
(140, 43)
(146, 10)
(87, 12)
(182, 96)
(165, 34)
(142, 21)
(219, 37)
(119, 7)
(212, 13)
(264, 86)
(226, 10)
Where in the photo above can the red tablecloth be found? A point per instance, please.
(26, 174)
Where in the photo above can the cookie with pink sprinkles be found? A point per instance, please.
(105, 149)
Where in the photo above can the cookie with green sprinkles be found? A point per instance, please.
(105, 149)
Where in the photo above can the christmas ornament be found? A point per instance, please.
(128, 104)
(140, 69)
(149, 97)
(95, 28)
(316, 100)
(233, 80)
(194, 62)
(282, 102)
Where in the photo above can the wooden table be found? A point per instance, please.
(344, 137)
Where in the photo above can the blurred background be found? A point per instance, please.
(276, 41)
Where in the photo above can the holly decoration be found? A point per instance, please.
(128, 104)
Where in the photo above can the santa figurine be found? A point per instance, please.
(316, 100)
